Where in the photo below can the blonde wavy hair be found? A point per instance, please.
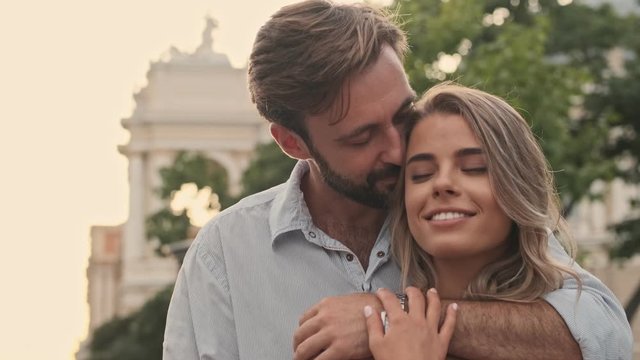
(522, 184)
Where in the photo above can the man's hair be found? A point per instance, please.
(522, 184)
(304, 55)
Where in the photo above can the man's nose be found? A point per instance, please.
(394, 147)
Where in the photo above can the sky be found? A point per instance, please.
(68, 71)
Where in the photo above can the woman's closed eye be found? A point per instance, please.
(420, 176)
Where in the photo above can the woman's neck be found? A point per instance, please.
(455, 275)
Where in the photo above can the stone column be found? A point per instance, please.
(134, 234)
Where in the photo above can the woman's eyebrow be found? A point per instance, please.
(459, 153)
(420, 157)
(468, 151)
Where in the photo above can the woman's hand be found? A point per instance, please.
(413, 335)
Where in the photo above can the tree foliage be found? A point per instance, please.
(191, 167)
(135, 337)
(269, 167)
(622, 101)
(164, 225)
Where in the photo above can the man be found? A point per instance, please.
(330, 80)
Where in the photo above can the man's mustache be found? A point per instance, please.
(391, 171)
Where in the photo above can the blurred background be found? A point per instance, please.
(127, 125)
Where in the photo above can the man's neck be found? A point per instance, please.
(355, 225)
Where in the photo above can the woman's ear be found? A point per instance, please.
(290, 143)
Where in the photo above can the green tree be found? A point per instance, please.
(192, 167)
(135, 337)
(165, 225)
(622, 101)
(269, 167)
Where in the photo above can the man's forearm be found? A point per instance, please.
(504, 330)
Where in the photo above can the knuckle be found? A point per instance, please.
(340, 344)
(299, 352)
(323, 320)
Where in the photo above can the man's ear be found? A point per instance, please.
(290, 143)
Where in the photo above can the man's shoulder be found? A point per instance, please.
(252, 208)
(255, 203)
(238, 223)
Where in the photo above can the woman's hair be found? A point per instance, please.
(522, 184)
(305, 54)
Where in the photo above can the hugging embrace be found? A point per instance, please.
(447, 198)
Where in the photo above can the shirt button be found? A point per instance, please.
(349, 257)
(312, 234)
(380, 254)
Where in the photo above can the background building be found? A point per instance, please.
(195, 102)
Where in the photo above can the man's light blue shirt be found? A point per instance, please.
(256, 267)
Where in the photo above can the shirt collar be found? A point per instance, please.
(289, 211)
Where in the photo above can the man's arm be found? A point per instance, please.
(200, 322)
(502, 330)
(594, 320)
(484, 330)
(179, 335)
(572, 322)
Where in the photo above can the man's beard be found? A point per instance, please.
(366, 194)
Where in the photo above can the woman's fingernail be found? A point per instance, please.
(454, 306)
(368, 311)
(433, 290)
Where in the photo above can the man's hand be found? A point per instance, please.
(335, 328)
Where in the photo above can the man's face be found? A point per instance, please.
(359, 156)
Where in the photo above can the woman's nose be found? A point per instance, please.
(444, 184)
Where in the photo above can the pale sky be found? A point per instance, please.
(68, 70)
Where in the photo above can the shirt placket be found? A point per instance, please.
(347, 260)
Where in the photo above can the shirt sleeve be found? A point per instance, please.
(593, 314)
(200, 322)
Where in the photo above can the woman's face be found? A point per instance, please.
(451, 209)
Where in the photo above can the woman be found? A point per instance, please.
(474, 220)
